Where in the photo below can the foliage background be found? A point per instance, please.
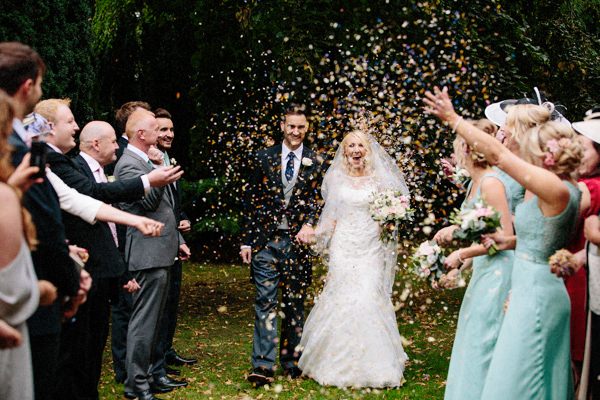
(225, 69)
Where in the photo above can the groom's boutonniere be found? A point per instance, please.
(173, 161)
(110, 178)
(307, 162)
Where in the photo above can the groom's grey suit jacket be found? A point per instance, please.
(143, 252)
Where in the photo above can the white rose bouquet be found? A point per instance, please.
(428, 262)
(474, 221)
(389, 207)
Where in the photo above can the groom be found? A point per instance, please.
(281, 204)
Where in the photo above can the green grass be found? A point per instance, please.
(216, 323)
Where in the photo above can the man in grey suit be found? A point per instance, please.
(148, 260)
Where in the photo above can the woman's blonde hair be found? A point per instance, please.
(553, 145)
(522, 117)
(362, 137)
(7, 114)
(459, 145)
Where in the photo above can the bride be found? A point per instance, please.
(351, 337)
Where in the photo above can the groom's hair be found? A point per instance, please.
(295, 109)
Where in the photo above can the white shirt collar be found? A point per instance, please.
(91, 162)
(53, 147)
(20, 129)
(285, 151)
(138, 152)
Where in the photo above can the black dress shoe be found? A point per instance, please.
(179, 361)
(293, 372)
(143, 395)
(166, 382)
(156, 389)
(172, 371)
(261, 376)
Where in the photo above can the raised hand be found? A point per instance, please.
(164, 176)
(439, 104)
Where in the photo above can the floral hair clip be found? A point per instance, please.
(553, 147)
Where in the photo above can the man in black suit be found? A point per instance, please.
(21, 74)
(281, 197)
(83, 339)
(166, 133)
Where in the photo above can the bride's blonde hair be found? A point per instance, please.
(362, 137)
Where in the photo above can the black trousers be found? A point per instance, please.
(82, 343)
(44, 356)
(121, 312)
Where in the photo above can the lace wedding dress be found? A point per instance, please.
(351, 337)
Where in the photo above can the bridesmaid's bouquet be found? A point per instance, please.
(428, 262)
(389, 207)
(474, 221)
(460, 177)
(562, 263)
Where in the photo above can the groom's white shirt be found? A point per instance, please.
(297, 159)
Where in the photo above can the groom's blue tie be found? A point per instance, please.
(289, 168)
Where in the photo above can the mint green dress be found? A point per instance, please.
(532, 356)
(480, 318)
(514, 191)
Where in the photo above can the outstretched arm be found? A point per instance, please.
(552, 192)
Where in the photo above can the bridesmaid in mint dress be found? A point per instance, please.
(481, 312)
(531, 359)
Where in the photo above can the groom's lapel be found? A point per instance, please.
(274, 162)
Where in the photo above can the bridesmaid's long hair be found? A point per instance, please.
(7, 114)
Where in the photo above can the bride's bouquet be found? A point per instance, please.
(389, 207)
(474, 221)
(428, 262)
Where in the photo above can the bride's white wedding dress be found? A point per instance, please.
(351, 337)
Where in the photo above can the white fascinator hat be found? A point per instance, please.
(590, 126)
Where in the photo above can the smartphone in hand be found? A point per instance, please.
(38, 158)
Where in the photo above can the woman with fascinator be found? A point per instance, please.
(531, 359)
(351, 337)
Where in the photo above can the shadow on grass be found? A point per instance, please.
(216, 322)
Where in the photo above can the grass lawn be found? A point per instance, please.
(216, 322)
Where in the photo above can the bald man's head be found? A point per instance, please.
(142, 129)
(99, 141)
